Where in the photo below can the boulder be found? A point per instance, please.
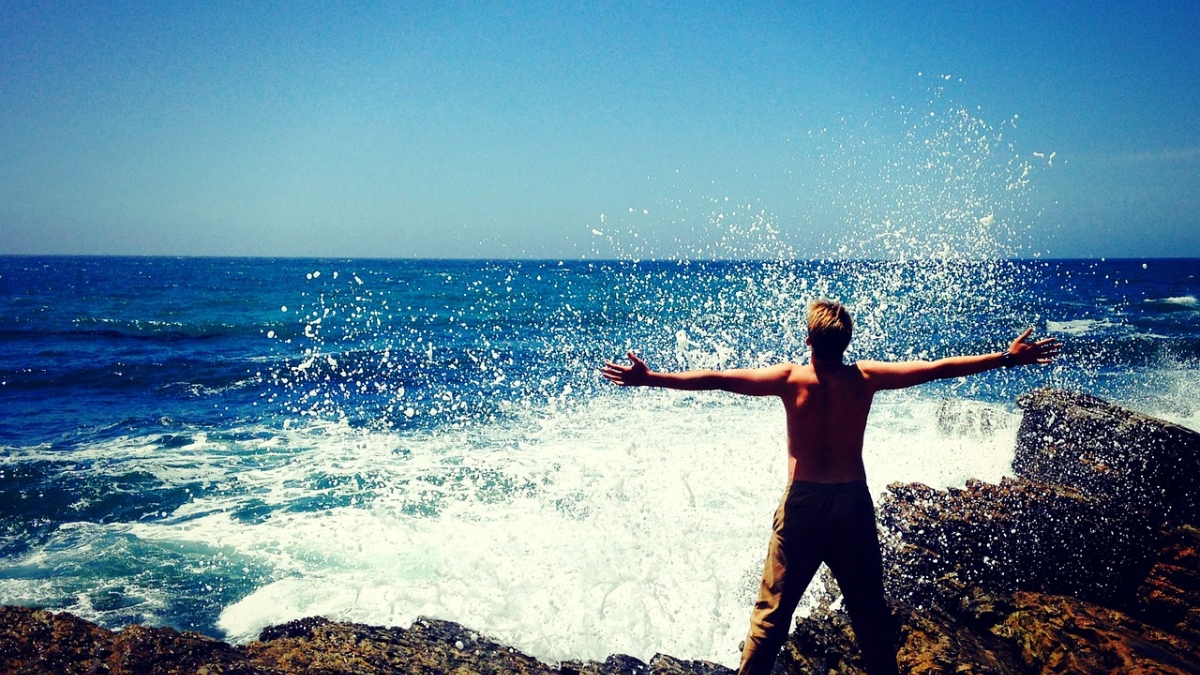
(1059, 634)
(1017, 633)
(34, 642)
(660, 664)
(1018, 535)
(930, 641)
(321, 647)
(1169, 597)
(1101, 449)
(617, 664)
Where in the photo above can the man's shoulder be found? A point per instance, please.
(881, 375)
(868, 366)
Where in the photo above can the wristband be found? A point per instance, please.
(1007, 360)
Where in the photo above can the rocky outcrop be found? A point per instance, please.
(36, 642)
(1020, 534)
(41, 642)
(1017, 633)
(1073, 439)
(1058, 634)
(316, 645)
(1087, 561)
(1170, 594)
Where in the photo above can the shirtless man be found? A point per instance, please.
(826, 514)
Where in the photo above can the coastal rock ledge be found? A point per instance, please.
(1087, 561)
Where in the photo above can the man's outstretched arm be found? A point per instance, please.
(1021, 352)
(749, 381)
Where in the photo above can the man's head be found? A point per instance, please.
(829, 329)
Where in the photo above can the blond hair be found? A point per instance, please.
(829, 329)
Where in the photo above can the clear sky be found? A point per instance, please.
(488, 129)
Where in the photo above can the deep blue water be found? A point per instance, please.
(184, 441)
(101, 346)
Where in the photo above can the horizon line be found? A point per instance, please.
(564, 260)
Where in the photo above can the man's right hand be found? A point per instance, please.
(1027, 353)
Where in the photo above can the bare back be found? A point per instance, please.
(827, 406)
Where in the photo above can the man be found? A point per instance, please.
(826, 514)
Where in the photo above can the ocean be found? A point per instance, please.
(222, 444)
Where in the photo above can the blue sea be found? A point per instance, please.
(222, 444)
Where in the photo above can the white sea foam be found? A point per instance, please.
(1172, 393)
(1076, 327)
(1185, 300)
(74, 565)
(634, 523)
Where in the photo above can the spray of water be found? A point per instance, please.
(932, 205)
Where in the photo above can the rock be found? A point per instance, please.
(322, 647)
(822, 643)
(931, 641)
(617, 664)
(1020, 534)
(1065, 569)
(33, 642)
(1018, 633)
(1058, 634)
(163, 651)
(36, 642)
(937, 642)
(300, 628)
(662, 664)
(39, 641)
(1169, 597)
(1083, 442)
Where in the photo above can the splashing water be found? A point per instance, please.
(937, 198)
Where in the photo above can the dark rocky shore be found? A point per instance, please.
(1087, 562)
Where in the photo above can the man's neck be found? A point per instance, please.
(826, 362)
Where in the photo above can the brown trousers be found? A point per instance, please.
(834, 524)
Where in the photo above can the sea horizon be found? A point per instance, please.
(624, 260)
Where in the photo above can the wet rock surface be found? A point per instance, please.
(1020, 534)
(1087, 561)
(1169, 596)
(316, 645)
(1070, 438)
(33, 641)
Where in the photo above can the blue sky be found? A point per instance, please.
(488, 129)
